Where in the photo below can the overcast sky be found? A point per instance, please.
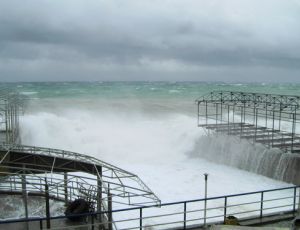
(173, 40)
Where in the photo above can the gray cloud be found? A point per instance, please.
(150, 40)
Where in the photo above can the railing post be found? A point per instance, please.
(141, 218)
(294, 204)
(24, 194)
(92, 221)
(205, 198)
(41, 224)
(66, 187)
(261, 204)
(184, 216)
(225, 208)
(47, 205)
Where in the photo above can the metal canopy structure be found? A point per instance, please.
(11, 106)
(268, 119)
(61, 175)
(101, 179)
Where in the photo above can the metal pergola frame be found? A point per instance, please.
(35, 160)
(268, 119)
(61, 175)
(11, 106)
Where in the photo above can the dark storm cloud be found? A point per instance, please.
(150, 40)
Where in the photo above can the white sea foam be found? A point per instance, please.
(162, 149)
(153, 140)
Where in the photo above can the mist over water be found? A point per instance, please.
(155, 137)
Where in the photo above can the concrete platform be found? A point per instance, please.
(228, 227)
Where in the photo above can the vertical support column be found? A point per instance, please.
(244, 115)
(47, 204)
(298, 206)
(206, 113)
(25, 197)
(66, 188)
(217, 113)
(6, 123)
(221, 113)
(205, 199)
(228, 119)
(293, 130)
(279, 122)
(198, 115)
(109, 205)
(233, 113)
(241, 130)
(273, 127)
(99, 196)
(256, 120)
(266, 115)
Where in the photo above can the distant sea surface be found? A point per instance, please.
(158, 90)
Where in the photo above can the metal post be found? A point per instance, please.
(298, 212)
(109, 206)
(294, 203)
(279, 123)
(205, 198)
(225, 208)
(233, 113)
(47, 204)
(66, 188)
(261, 204)
(228, 119)
(241, 121)
(217, 113)
(198, 115)
(24, 194)
(141, 218)
(206, 113)
(184, 216)
(99, 195)
(92, 222)
(273, 128)
(41, 224)
(256, 120)
(293, 130)
(266, 115)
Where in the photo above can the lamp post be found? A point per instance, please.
(205, 198)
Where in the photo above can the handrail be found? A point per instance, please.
(140, 217)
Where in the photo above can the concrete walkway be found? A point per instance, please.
(231, 227)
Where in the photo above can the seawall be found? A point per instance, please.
(256, 158)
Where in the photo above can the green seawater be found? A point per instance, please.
(140, 90)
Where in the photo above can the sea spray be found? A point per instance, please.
(245, 155)
(155, 138)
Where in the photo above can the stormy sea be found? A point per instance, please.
(147, 128)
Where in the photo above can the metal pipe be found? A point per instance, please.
(205, 198)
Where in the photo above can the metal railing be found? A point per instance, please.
(188, 214)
